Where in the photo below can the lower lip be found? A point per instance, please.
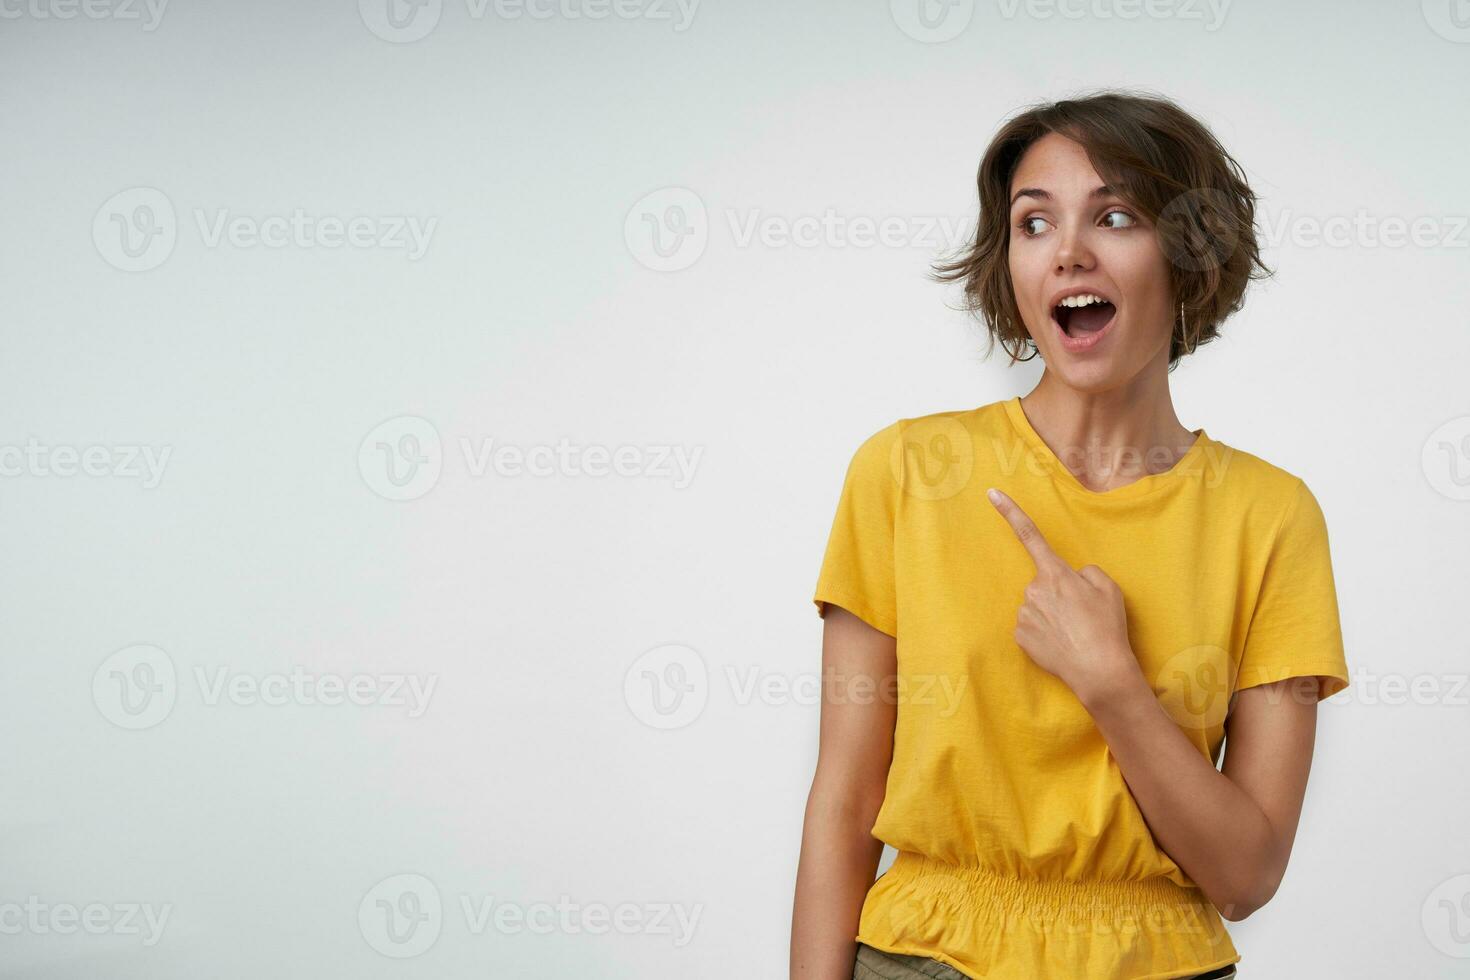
(1085, 341)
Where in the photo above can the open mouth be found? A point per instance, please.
(1080, 321)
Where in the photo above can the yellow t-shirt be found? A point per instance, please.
(1021, 851)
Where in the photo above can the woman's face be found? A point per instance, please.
(1068, 236)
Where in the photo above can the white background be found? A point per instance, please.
(534, 316)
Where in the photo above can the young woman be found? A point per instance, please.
(1028, 690)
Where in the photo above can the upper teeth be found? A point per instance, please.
(1084, 299)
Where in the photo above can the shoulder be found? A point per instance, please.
(1251, 469)
(972, 421)
(870, 458)
(931, 455)
(960, 426)
(883, 453)
(959, 423)
(1271, 491)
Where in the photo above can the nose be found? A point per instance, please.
(1072, 250)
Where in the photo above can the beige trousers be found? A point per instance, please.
(874, 964)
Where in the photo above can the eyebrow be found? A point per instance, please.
(1041, 195)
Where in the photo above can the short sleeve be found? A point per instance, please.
(857, 570)
(1295, 630)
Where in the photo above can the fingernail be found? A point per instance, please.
(994, 495)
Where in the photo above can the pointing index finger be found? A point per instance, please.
(1026, 530)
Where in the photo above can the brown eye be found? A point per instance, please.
(1025, 226)
(1130, 222)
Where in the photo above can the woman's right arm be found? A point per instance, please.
(839, 855)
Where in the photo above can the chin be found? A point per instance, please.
(1098, 371)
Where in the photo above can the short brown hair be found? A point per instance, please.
(1158, 158)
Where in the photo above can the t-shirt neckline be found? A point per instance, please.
(1142, 486)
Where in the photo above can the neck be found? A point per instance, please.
(1109, 438)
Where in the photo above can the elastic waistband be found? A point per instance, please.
(977, 888)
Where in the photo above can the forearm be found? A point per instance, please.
(1208, 825)
(839, 860)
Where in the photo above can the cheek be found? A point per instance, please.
(1014, 265)
(1027, 270)
(1144, 275)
